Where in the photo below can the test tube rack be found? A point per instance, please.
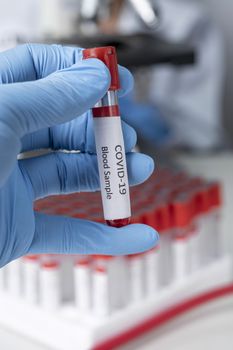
(173, 203)
(64, 328)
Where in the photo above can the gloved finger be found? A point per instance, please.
(56, 99)
(65, 173)
(35, 61)
(155, 128)
(63, 235)
(126, 81)
(75, 135)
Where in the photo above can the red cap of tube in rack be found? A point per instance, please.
(160, 203)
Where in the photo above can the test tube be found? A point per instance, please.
(194, 247)
(110, 145)
(136, 277)
(151, 271)
(50, 294)
(118, 281)
(14, 278)
(82, 283)
(162, 224)
(215, 200)
(203, 222)
(181, 211)
(102, 305)
(31, 278)
(3, 274)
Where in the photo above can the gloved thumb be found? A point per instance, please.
(58, 98)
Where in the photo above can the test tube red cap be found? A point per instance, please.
(136, 255)
(202, 203)
(31, 257)
(215, 196)
(162, 218)
(52, 264)
(107, 55)
(182, 212)
(83, 261)
(102, 257)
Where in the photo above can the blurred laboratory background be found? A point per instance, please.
(178, 295)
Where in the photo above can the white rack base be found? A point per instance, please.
(66, 329)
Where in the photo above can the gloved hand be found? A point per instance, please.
(42, 89)
(145, 119)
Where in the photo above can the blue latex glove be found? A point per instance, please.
(42, 89)
(145, 119)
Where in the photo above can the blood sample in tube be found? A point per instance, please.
(110, 145)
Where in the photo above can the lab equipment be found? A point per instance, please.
(110, 145)
(171, 200)
(53, 13)
(180, 22)
(31, 116)
(94, 11)
(148, 13)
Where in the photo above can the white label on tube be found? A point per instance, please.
(112, 168)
